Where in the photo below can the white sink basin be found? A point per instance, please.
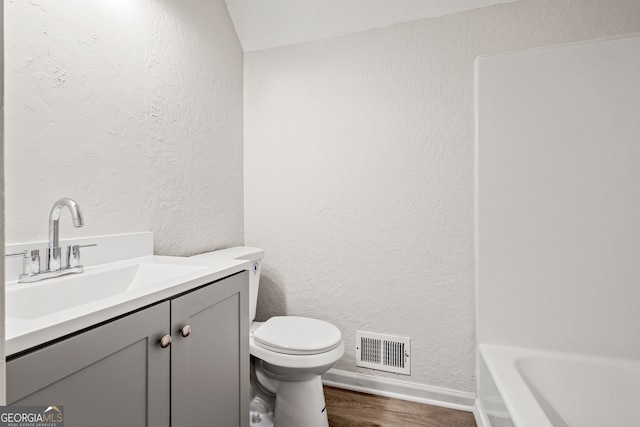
(121, 276)
(29, 301)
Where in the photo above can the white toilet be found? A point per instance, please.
(288, 355)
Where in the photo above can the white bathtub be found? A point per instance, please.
(548, 389)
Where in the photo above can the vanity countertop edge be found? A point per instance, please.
(24, 334)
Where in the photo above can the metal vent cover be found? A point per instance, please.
(383, 352)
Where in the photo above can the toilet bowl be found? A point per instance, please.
(290, 353)
(288, 356)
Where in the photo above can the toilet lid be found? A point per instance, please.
(297, 335)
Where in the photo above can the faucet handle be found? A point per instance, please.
(73, 254)
(30, 261)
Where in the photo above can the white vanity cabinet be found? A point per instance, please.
(118, 374)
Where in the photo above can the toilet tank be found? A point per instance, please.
(244, 253)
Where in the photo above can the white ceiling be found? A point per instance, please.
(263, 24)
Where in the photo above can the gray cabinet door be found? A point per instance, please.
(210, 367)
(113, 375)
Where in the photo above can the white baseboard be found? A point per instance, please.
(400, 390)
(480, 414)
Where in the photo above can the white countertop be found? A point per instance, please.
(24, 333)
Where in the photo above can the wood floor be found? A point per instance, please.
(352, 409)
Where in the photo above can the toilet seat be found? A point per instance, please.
(295, 335)
(317, 363)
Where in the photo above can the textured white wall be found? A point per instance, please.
(359, 173)
(558, 199)
(132, 108)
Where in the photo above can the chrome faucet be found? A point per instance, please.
(31, 271)
(54, 251)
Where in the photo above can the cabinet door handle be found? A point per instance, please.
(165, 341)
(186, 331)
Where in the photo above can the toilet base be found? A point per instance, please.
(258, 419)
(262, 402)
(300, 403)
(260, 413)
